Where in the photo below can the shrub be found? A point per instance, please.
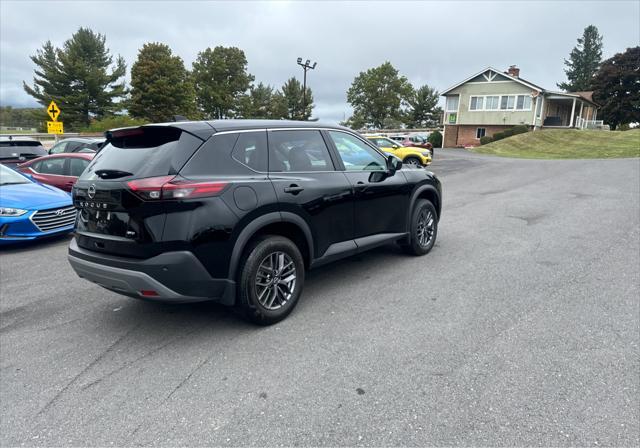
(113, 122)
(520, 129)
(507, 132)
(498, 136)
(485, 139)
(435, 138)
(623, 127)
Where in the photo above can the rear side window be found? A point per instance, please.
(251, 150)
(143, 152)
(77, 166)
(298, 151)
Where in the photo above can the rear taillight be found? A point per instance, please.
(173, 187)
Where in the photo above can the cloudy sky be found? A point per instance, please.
(437, 43)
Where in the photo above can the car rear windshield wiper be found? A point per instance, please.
(112, 174)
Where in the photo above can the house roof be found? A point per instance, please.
(585, 95)
(506, 75)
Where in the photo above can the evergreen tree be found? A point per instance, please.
(221, 79)
(584, 61)
(617, 88)
(293, 97)
(423, 107)
(81, 77)
(161, 87)
(262, 102)
(378, 95)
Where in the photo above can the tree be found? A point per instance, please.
(423, 107)
(617, 88)
(378, 94)
(221, 78)
(293, 97)
(262, 102)
(160, 85)
(81, 77)
(584, 61)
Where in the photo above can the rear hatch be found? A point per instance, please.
(118, 214)
(13, 152)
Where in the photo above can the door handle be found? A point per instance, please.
(293, 189)
(360, 186)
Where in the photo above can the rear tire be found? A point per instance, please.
(271, 280)
(424, 228)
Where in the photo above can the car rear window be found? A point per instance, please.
(143, 152)
(16, 147)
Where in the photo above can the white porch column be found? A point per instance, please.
(580, 116)
(573, 111)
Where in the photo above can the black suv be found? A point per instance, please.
(237, 210)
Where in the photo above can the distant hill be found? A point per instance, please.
(567, 144)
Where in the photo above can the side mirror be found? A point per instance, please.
(393, 164)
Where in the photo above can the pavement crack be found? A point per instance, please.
(187, 378)
(83, 371)
(139, 358)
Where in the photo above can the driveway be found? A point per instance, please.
(521, 327)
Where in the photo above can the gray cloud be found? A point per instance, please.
(438, 43)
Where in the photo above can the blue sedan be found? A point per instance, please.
(29, 210)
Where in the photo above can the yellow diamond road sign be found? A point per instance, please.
(53, 111)
(55, 127)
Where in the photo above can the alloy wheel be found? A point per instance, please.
(426, 227)
(275, 280)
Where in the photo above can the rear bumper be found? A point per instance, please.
(175, 277)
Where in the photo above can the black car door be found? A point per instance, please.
(381, 201)
(307, 184)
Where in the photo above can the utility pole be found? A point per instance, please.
(306, 66)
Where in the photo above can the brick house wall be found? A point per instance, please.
(450, 136)
(466, 135)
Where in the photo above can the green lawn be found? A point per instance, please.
(567, 144)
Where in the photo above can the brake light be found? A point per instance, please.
(173, 187)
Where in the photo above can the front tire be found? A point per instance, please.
(271, 280)
(424, 228)
(413, 162)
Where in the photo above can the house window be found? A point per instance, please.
(491, 102)
(452, 104)
(523, 102)
(476, 103)
(480, 132)
(507, 102)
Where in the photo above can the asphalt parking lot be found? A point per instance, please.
(520, 328)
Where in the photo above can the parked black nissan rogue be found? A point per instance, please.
(237, 210)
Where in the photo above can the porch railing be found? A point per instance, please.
(581, 123)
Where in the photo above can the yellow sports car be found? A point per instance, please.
(410, 156)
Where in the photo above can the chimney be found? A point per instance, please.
(514, 71)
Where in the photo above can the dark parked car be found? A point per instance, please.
(77, 144)
(15, 150)
(237, 210)
(61, 170)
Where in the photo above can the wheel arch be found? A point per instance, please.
(286, 224)
(429, 193)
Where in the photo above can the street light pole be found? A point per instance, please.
(306, 66)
